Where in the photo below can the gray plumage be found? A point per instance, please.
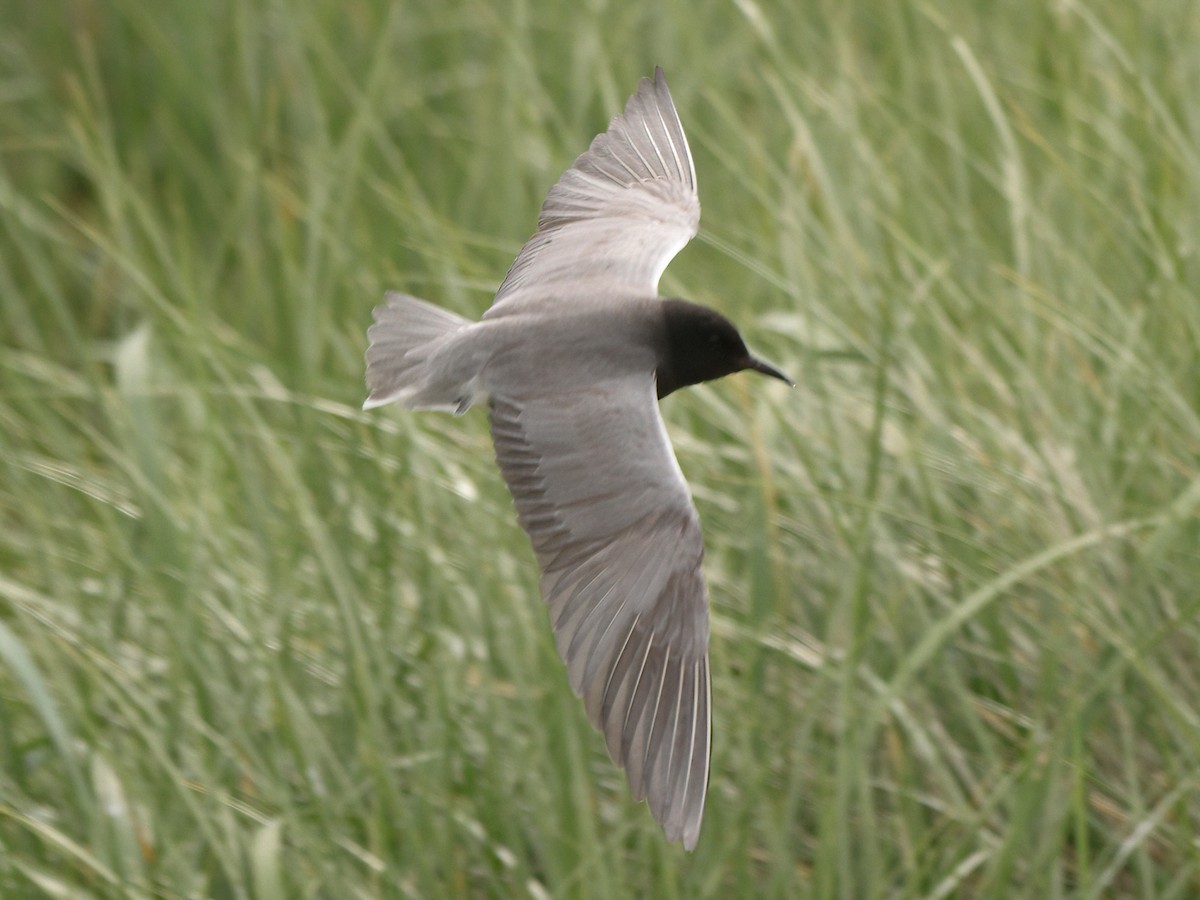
(572, 357)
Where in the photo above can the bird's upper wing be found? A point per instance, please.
(618, 540)
(619, 214)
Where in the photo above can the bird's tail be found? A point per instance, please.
(402, 359)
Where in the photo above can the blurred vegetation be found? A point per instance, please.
(256, 643)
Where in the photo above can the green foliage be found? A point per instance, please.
(256, 643)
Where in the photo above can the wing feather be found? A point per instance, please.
(620, 550)
(618, 216)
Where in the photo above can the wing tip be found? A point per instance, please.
(655, 86)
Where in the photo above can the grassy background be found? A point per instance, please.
(256, 643)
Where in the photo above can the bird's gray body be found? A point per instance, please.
(525, 351)
(571, 359)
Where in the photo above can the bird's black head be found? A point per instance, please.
(700, 344)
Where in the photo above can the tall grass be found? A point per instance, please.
(255, 643)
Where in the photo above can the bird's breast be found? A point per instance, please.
(568, 350)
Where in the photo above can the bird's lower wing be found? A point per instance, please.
(618, 540)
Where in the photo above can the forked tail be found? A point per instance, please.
(402, 359)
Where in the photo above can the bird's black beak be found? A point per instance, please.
(767, 369)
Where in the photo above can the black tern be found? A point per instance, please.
(572, 357)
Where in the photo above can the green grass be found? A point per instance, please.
(256, 643)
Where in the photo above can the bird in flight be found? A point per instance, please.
(572, 358)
